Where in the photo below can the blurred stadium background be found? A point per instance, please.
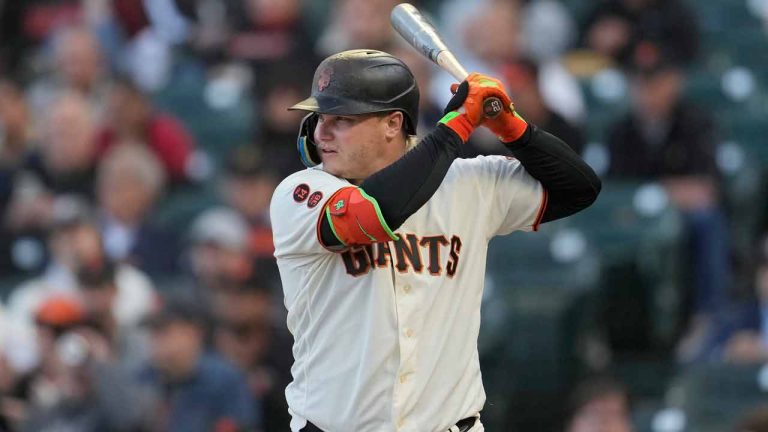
(140, 141)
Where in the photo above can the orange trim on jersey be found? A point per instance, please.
(542, 209)
(354, 218)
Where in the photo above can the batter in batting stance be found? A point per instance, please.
(382, 249)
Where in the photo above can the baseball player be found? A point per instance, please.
(382, 247)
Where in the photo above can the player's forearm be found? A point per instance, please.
(570, 183)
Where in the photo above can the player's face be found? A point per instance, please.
(356, 146)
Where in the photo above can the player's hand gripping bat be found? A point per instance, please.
(415, 29)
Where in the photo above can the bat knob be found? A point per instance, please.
(492, 107)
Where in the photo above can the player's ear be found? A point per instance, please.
(395, 122)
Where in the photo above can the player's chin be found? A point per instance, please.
(329, 158)
(331, 164)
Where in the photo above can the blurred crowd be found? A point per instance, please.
(115, 316)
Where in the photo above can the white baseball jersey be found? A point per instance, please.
(386, 335)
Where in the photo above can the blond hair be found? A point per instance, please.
(411, 141)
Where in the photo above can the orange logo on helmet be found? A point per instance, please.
(324, 79)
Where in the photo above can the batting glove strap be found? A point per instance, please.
(459, 123)
(508, 126)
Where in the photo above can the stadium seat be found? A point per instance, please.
(714, 397)
(9, 283)
(640, 239)
(723, 15)
(537, 312)
(745, 187)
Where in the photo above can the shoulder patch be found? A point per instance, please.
(314, 199)
(301, 193)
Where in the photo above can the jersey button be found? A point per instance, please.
(400, 423)
(406, 288)
(409, 333)
(403, 378)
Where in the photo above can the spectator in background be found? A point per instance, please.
(747, 341)
(131, 117)
(246, 332)
(623, 30)
(149, 30)
(130, 181)
(278, 87)
(248, 183)
(75, 243)
(78, 385)
(219, 255)
(25, 24)
(490, 33)
(16, 135)
(549, 29)
(131, 16)
(599, 404)
(522, 81)
(268, 31)
(10, 33)
(65, 163)
(18, 355)
(15, 145)
(666, 139)
(78, 67)
(98, 293)
(357, 24)
(754, 419)
(197, 390)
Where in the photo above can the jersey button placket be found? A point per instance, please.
(400, 424)
(406, 303)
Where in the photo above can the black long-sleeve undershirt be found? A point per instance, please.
(570, 183)
(403, 187)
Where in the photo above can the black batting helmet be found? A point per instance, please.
(357, 82)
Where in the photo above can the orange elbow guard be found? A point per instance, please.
(356, 219)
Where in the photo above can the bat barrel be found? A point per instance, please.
(448, 61)
(417, 31)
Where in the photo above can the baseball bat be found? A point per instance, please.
(421, 35)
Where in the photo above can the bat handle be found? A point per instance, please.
(492, 107)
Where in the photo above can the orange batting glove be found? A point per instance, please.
(508, 126)
(464, 111)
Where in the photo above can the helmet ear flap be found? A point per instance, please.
(305, 143)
